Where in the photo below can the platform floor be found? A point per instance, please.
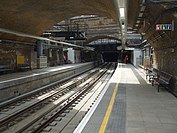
(29, 73)
(131, 105)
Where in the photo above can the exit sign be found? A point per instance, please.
(163, 26)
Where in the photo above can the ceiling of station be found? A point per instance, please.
(36, 17)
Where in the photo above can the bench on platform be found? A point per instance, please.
(4, 68)
(163, 80)
(152, 74)
(23, 67)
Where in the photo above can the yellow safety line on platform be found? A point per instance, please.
(108, 113)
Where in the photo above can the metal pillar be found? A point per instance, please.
(40, 48)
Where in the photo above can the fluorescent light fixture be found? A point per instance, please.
(122, 12)
(144, 41)
(138, 21)
(46, 33)
(140, 14)
(129, 32)
(143, 8)
(123, 26)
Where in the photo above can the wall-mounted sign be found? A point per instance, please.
(20, 59)
(164, 27)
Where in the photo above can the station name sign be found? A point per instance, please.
(164, 27)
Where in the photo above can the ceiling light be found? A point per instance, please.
(46, 33)
(143, 33)
(129, 32)
(144, 41)
(122, 12)
(142, 8)
(140, 14)
(123, 26)
(138, 21)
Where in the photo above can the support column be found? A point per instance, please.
(71, 55)
(61, 54)
(42, 60)
(40, 47)
(33, 60)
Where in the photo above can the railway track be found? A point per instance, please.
(18, 109)
(77, 111)
(34, 114)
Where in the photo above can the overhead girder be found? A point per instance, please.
(101, 37)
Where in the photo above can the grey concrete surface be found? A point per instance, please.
(146, 110)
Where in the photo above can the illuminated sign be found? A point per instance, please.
(163, 26)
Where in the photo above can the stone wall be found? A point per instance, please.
(166, 60)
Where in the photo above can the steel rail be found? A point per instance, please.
(64, 105)
(17, 114)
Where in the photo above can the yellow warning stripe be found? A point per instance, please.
(108, 112)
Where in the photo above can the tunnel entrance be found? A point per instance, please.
(111, 56)
(117, 56)
(128, 54)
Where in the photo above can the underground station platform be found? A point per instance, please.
(131, 105)
(128, 103)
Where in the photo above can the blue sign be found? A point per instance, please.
(163, 26)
